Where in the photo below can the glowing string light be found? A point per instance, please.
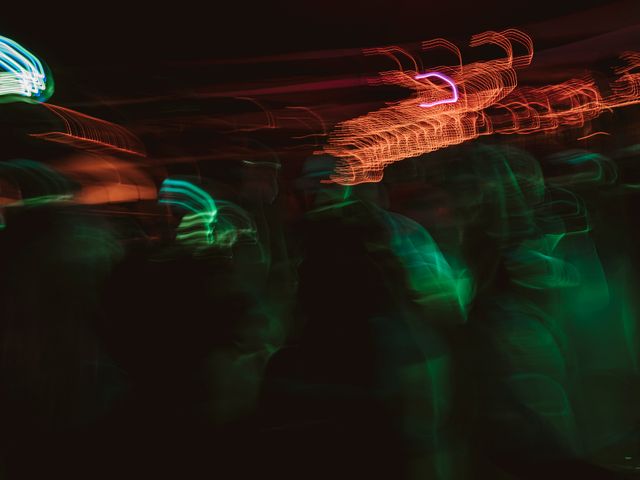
(485, 100)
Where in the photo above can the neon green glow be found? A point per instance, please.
(209, 223)
(196, 227)
(432, 279)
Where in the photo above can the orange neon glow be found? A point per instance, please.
(488, 101)
(90, 133)
(105, 179)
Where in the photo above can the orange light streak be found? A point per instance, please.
(489, 103)
(90, 133)
(592, 135)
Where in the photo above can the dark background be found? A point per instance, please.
(98, 34)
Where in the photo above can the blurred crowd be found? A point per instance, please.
(472, 315)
